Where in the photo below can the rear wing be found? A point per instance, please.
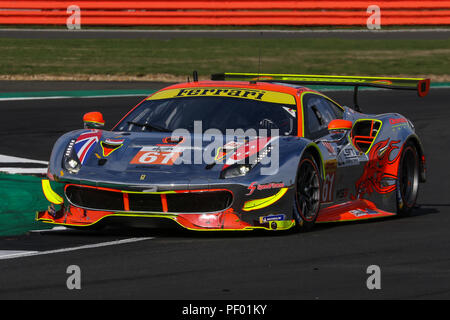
(421, 85)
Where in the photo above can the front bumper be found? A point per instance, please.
(264, 209)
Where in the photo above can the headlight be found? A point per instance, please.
(70, 159)
(236, 170)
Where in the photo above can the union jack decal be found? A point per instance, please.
(86, 143)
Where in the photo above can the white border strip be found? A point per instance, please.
(229, 30)
(10, 254)
(73, 97)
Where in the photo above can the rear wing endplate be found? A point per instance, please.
(421, 85)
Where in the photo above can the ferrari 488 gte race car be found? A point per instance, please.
(239, 152)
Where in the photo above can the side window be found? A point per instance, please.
(338, 111)
(318, 112)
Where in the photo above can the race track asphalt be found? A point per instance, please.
(329, 262)
(300, 33)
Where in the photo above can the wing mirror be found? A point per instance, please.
(339, 125)
(93, 120)
(338, 130)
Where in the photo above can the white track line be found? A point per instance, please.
(74, 97)
(54, 229)
(9, 254)
(24, 170)
(5, 158)
(17, 160)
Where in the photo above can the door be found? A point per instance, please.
(343, 163)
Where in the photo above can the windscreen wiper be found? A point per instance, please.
(151, 126)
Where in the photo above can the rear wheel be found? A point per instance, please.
(307, 194)
(408, 179)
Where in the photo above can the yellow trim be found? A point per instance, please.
(321, 158)
(310, 77)
(103, 149)
(265, 202)
(91, 121)
(51, 195)
(243, 93)
(374, 139)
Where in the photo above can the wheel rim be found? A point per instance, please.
(409, 180)
(308, 190)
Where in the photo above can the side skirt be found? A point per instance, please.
(360, 209)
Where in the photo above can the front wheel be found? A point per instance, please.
(307, 194)
(408, 179)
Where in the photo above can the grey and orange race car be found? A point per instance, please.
(239, 152)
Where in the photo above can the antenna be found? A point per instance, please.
(259, 55)
(355, 99)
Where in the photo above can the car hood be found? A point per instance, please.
(152, 157)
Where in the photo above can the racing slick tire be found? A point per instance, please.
(308, 188)
(408, 179)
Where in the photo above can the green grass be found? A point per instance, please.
(21, 197)
(139, 57)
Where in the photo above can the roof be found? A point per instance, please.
(277, 87)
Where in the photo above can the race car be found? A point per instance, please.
(242, 151)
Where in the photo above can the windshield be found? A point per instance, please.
(167, 115)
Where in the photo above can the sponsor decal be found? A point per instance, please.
(398, 123)
(85, 143)
(270, 218)
(397, 120)
(111, 145)
(363, 212)
(163, 155)
(348, 157)
(241, 93)
(253, 186)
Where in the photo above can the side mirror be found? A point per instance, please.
(93, 120)
(339, 125)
